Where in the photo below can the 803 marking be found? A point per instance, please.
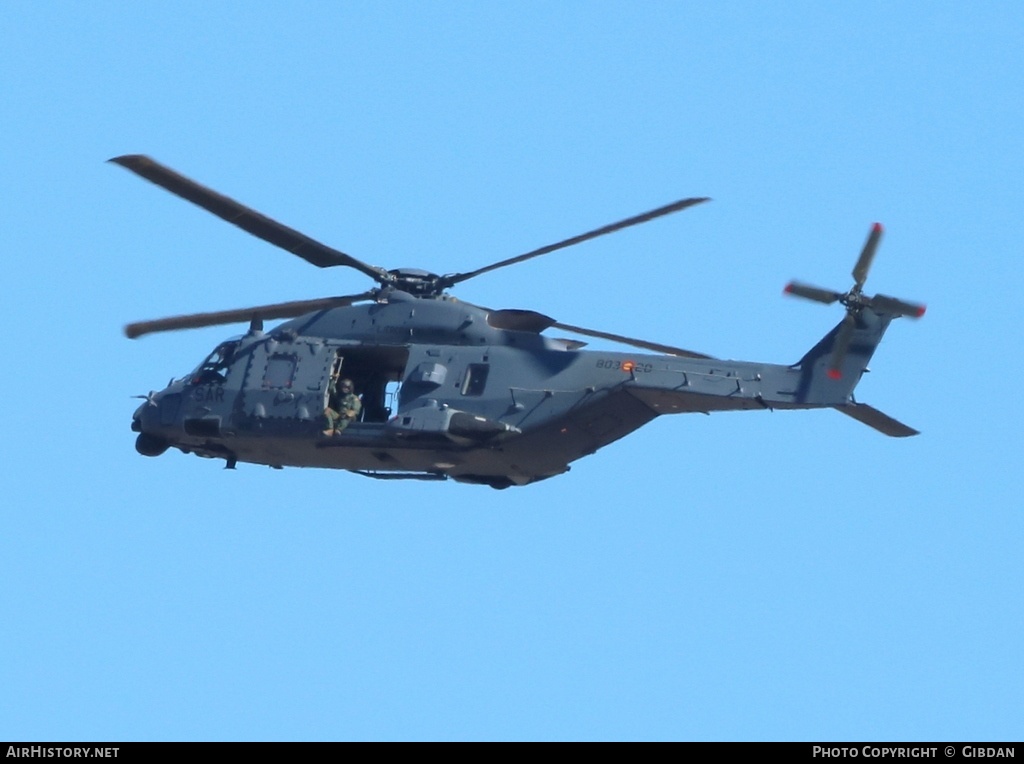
(626, 366)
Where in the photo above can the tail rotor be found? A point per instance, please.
(855, 301)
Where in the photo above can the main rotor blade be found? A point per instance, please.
(809, 292)
(247, 219)
(655, 346)
(860, 270)
(277, 310)
(897, 307)
(528, 320)
(455, 278)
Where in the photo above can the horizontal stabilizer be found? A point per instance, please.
(872, 417)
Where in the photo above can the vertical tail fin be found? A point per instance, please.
(824, 380)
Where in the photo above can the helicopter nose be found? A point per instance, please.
(137, 418)
(147, 443)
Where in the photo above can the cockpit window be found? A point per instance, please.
(214, 370)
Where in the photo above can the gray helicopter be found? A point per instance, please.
(448, 389)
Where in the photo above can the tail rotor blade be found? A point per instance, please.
(897, 307)
(809, 292)
(860, 270)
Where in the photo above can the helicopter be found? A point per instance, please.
(453, 390)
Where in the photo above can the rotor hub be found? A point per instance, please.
(416, 281)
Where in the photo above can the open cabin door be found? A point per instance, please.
(376, 373)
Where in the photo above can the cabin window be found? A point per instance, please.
(280, 371)
(476, 379)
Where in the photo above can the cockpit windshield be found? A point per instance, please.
(214, 370)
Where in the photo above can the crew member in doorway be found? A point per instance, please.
(343, 406)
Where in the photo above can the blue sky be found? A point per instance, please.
(734, 577)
